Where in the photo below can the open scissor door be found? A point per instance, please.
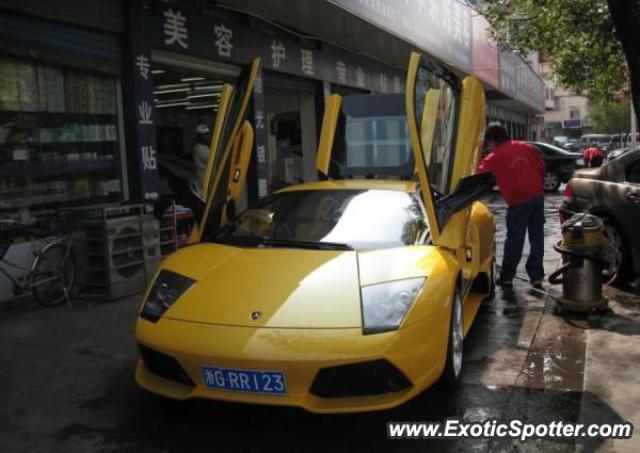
(327, 134)
(231, 147)
(445, 118)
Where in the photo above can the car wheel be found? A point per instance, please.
(551, 182)
(453, 366)
(494, 268)
(613, 253)
(492, 278)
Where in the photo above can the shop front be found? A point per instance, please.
(61, 129)
(61, 117)
(189, 53)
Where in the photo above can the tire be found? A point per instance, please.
(494, 269)
(551, 182)
(615, 253)
(492, 279)
(52, 280)
(453, 365)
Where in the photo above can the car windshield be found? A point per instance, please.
(339, 219)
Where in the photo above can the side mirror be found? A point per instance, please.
(469, 189)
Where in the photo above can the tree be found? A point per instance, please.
(593, 44)
(609, 117)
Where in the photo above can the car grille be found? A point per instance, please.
(359, 379)
(164, 366)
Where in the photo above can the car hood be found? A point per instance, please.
(291, 288)
(285, 288)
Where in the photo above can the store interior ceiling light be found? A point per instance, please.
(171, 104)
(167, 86)
(172, 90)
(186, 91)
(202, 95)
(208, 87)
(157, 71)
(202, 106)
(197, 65)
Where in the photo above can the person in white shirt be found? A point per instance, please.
(200, 152)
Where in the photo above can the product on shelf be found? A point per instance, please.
(58, 128)
(9, 88)
(51, 88)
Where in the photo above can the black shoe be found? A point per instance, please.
(537, 284)
(504, 283)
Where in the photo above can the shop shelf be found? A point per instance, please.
(57, 114)
(57, 168)
(79, 142)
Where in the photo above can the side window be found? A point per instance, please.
(633, 172)
(436, 111)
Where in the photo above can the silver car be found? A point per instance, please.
(611, 192)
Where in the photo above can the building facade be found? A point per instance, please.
(103, 97)
(566, 113)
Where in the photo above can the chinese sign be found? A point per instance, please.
(441, 27)
(145, 184)
(180, 29)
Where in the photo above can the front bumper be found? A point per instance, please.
(417, 351)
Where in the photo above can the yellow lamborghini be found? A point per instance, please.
(350, 294)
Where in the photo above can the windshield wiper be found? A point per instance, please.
(305, 244)
(257, 241)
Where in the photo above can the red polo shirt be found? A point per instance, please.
(518, 169)
(591, 152)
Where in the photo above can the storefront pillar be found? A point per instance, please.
(261, 139)
(142, 161)
(309, 136)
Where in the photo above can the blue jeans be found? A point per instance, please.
(520, 218)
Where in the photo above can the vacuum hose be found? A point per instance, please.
(555, 278)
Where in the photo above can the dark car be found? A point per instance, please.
(572, 147)
(560, 164)
(612, 192)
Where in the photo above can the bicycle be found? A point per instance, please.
(49, 270)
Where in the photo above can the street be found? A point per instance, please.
(67, 380)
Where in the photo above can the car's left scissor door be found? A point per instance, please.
(445, 118)
(231, 147)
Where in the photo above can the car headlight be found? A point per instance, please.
(385, 305)
(166, 289)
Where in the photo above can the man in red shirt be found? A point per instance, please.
(593, 156)
(519, 171)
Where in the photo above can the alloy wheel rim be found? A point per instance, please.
(612, 249)
(457, 337)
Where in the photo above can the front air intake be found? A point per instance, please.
(164, 366)
(359, 379)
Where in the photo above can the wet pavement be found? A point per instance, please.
(66, 376)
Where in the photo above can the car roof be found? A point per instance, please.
(628, 154)
(555, 148)
(355, 184)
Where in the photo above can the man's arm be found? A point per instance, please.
(486, 164)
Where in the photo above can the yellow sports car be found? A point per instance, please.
(349, 294)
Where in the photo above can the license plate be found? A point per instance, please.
(250, 381)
